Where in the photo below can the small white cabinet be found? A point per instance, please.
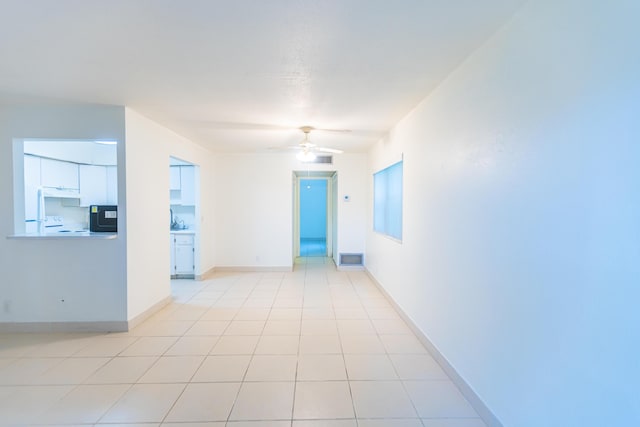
(59, 174)
(182, 185)
(93, 185)
(182, 255)
(174, 178)
(31, 184)
(187, 185)
(112, 185)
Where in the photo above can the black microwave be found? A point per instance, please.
(103, 218)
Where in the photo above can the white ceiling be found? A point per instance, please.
(243, 75)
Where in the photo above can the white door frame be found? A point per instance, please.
(333, 202)
(296, 217)
(328, 176)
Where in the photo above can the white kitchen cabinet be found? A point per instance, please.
(172, 251)
(93, 185)
(187, 186)
(182, 259)
(112, 185)
(31, 184)
(174, 178)
(59, 174)
(182, 190)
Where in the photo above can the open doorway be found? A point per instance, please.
(314, 214)
(183, 212)
(313, 217)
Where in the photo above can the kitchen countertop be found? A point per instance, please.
(185, 231)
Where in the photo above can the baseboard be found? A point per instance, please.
(184, 276)
(207, 274)
(350, 268)
(98, 326)
(467, 391)
(252, 269)
(60, 327)
(135, 321)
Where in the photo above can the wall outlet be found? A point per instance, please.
(6, 306)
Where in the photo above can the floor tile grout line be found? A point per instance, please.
(388, 356)
(344, 361)
(137, 381)
(295, 378)
(183, 389)
(242, 382)
(115, 402)
(152, 365)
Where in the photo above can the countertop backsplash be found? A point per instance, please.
(184, 215)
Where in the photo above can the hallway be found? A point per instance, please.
(314, 347)
(313, 247)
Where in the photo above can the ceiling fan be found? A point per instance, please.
(308, 149)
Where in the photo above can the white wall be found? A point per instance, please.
(148, 148)
(57, 280)
(352, 181)
(521, 256)
(254, 214)
(86, 280)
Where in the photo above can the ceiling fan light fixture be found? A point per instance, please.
(306, 156)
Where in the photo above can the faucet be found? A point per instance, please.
(175, 222)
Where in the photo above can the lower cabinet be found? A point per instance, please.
(182, 256)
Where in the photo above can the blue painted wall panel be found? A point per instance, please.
(313, 209)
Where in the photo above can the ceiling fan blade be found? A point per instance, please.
(239, 126)
(308, 129)
(285, 148)
(332, 130)
(222, 125)
(328, 150)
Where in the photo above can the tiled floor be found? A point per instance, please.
(311, 348)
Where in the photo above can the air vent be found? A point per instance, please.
(323, 159)
(351, 259)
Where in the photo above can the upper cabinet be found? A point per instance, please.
(32, 171)
(112, 185)
(59, 174)
(93, 185)
(187, 189)
(182, 185)
(174, 178)
(31, 184)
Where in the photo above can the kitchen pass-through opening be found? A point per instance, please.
(57, 182)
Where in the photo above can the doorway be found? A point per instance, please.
(183, 213)
(313, 217)
(314, 214)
